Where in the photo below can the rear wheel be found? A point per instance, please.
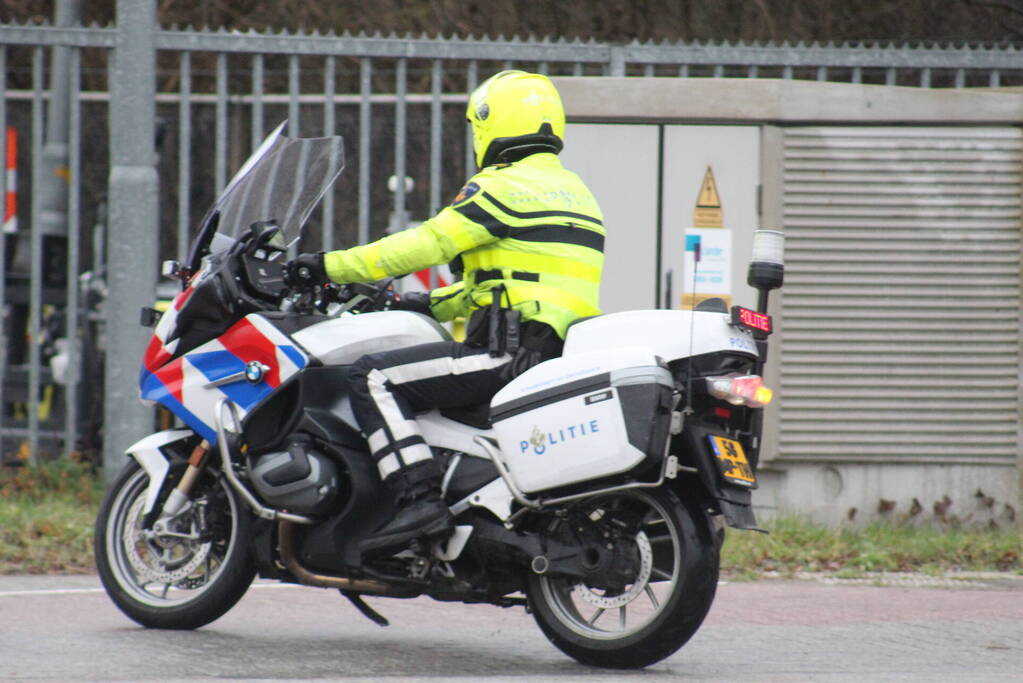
(185, 574)
(660, 609)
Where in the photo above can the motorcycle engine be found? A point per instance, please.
(299, 479)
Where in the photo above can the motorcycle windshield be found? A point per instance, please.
(282, 181)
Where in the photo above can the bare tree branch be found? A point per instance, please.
(1015, 9)
(762, 6)
(1008, 5)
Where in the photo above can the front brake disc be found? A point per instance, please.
(158, 562)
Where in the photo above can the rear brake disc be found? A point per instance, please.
(646, 566)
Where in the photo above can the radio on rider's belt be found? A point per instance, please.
(503, 324)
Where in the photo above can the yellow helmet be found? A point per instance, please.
(514, 114)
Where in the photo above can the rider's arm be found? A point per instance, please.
(432, 243)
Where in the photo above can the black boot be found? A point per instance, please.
(421, 513)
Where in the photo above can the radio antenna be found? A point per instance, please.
(694, 242)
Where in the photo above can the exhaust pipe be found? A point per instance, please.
(285, 536)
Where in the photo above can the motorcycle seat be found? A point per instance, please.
(475, 416)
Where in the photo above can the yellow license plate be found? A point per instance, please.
(734, 465)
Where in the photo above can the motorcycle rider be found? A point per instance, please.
(527, 236)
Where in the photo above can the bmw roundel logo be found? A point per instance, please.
(254, 371)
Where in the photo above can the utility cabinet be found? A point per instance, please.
(666, 183)
(897, 356)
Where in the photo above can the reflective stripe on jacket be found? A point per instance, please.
(531, 226)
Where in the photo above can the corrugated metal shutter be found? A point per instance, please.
(902, 294)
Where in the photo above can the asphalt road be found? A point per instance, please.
(65, 628)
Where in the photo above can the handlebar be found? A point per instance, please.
(356, 297)
(261, 256)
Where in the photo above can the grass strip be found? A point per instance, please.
(47, 514)
(796, 545)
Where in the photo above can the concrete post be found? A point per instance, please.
(133, 226)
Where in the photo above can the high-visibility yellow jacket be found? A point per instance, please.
(531, 226)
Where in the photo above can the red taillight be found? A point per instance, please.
(740, 390)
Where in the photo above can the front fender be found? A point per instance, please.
(147, 452)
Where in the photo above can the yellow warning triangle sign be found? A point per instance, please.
(708, 213)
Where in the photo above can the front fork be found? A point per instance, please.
(179, 499)
(150, 456)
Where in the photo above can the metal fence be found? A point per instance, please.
(85, 102)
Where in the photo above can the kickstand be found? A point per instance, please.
(366, 610)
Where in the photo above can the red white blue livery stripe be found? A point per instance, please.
(192, 385)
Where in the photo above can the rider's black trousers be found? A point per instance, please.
(391, 387)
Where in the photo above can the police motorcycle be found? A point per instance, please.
(592, 491)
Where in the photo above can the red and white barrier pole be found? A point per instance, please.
(11, 171)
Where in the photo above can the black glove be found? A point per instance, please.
(417, 302)
(305, 271)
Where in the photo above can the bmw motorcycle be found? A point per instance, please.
(593, 491)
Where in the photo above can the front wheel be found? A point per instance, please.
(663, 606)
(185, 574)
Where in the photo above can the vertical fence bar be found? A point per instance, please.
(719, 70)
(184, 156)
(753, 71)
(615, 61)
(4, 331)
(822, 73)
(648, 70)
(71, 333)
(35, 304)
(577, 69)
(786, 73)
(257, 101)
(857, 74)
(925, 77)
(294, 124)
(329, 125)
(683, 71)
(365, 125)
(890, 76)
(543, 68)
(220, 144)
(400, 124)
(436, 140)
(436, 134)
(134, 219)
(994, 79)
(471, 81)
(960, 78)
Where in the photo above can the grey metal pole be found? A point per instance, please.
(53, 193)
(400, 139)
(74, 343)
(35, 297)
(365, 129)
(133, 226)
(436, 133)
(4, 331)
(329, 127)
(49, 201)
